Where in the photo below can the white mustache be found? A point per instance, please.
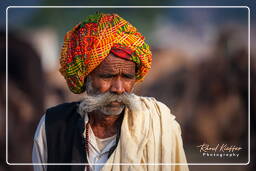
(96, 102)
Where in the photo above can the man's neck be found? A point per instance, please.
(104, 126)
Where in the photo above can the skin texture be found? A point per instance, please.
(117, 76)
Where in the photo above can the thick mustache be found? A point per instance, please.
(108, 97)
(94, 102)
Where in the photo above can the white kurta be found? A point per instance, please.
(149, 135)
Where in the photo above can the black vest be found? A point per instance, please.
(64, 128)
(64, 134)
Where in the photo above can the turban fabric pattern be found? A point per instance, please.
(91, 41)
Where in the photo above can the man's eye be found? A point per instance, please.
(129, 76)
(106, 76)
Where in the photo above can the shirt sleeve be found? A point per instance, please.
(39, 152)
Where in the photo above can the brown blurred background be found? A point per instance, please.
(200, 70)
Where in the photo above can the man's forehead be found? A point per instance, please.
(113, 63)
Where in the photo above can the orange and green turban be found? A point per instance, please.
(91, 41)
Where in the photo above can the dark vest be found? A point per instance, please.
(64, 128)
(64, 134)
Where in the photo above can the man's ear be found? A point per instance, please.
(88, 84)
(137, 87)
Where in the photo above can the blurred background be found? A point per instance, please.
(200, 70)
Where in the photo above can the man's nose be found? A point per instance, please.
(117, 86)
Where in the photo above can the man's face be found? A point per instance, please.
(113, 75)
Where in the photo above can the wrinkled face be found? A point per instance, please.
(113, 75)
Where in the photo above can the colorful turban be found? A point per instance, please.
(91, 41)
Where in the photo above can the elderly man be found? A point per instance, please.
(111, 128)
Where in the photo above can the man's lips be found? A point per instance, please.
(114, 104)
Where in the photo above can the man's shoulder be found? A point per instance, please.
(63, 106)
(154, 101)
(162, 111)
(154, 104)
(62, 111)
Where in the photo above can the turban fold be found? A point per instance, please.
(91, 41)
